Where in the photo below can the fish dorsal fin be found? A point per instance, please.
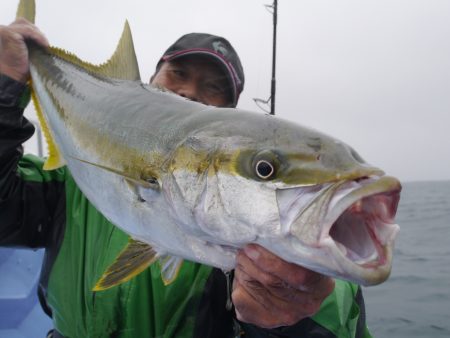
(170, 267)
(54, 159)
(123, 63)
(27, 10)
(134, 259)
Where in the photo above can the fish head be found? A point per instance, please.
(303, 195)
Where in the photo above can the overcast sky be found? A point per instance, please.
(375, 74)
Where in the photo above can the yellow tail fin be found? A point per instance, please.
(27, 10)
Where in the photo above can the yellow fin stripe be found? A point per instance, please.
(54, 160)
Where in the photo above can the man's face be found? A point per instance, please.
(197, 78)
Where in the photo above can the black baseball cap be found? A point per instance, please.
(217, 48)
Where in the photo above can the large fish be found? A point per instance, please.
(190, 181)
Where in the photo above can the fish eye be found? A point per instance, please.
(264, 169)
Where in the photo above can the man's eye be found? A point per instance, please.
(214, 88)
(179, 73)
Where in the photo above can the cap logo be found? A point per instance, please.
(220, 48)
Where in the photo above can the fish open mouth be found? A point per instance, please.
(347, 227)
(366, 227)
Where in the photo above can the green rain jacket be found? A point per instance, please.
(46, 209)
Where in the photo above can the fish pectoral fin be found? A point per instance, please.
(134, 259)
(145, 183)
(170, 267)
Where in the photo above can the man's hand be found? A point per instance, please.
(13, 50)
(270, 292)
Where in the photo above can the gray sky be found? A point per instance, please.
(375, 74)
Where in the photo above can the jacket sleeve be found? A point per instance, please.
(28, 195)
(342, 315)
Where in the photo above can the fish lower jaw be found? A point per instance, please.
(342, 262)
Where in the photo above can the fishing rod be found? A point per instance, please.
(274, 10)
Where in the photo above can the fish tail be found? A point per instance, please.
(27, 10)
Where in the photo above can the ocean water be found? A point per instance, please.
(415, 300)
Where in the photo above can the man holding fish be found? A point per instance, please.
(270, 297)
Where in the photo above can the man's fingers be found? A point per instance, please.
(29, 31)
(248, 309)
(14, 60)
(272, 293)
(294, 275)
(247, 271)
(271, 263)
(252, 280)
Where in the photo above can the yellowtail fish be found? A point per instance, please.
(196, 182)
